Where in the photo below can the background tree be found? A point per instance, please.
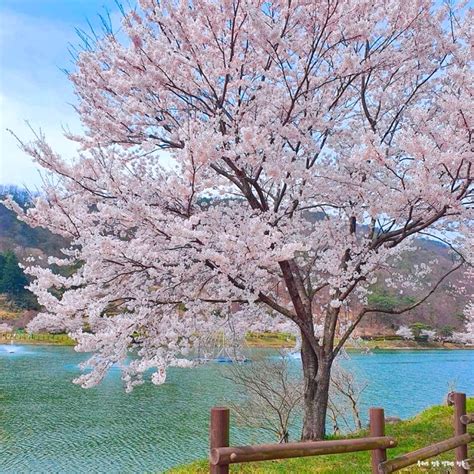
(12, 278)
(5, 328)
(445, 332)
(418, 328)
(466, 336)
(13, 282)
(271, 395)
(271, 155)
(405, 332)
(345, 394)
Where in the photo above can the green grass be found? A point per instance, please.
(396, 344)
(281, 340)
(430, 426)
(270, 339)
(22, 337)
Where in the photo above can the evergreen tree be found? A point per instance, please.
(12, 278)
(2, 264)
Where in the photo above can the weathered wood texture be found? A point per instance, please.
(459, 402)
(377, 428)
(267, 452)
(424, 453)
(219, 435)
(221, 455)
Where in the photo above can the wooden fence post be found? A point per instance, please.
(377, 428)
(459, 402)
(219, 435)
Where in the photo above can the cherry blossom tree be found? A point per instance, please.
(5, 328)
(405, 332)
(467, 336)
(246, 163)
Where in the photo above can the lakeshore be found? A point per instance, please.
(262, 341)
(36, 381)
(389, 342)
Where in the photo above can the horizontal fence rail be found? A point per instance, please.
(268, 452)
(424, 453)
(221, 455)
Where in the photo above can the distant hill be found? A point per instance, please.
(445, 308)
(20, 238)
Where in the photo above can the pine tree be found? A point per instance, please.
(12, 278)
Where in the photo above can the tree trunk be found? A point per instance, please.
(316, 373)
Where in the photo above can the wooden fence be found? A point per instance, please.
(221, 455)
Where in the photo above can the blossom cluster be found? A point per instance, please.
(250, 163)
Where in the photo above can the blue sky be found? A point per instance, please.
(34, 39)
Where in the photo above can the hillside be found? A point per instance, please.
(20, 238)
(443, 309)
(19, 241)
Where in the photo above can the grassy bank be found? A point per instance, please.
(281, 340)
(433, 424)
(387, 344)
(268, 340)
(22, 337)
(275, 340)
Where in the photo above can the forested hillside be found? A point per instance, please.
(442, 310)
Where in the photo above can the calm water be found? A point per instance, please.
(48, 425)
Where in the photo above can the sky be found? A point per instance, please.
(34, 40)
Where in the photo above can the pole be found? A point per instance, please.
(459, 402)
(377, 428)
(219, 435)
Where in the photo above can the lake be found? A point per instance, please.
(47, 424)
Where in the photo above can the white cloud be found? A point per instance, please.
(33, 88)
(15, 166)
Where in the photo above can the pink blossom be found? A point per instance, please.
(250, 167)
